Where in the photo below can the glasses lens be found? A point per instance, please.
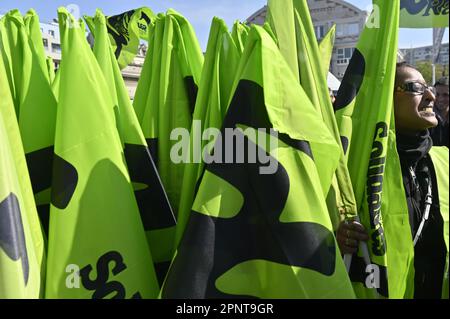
(418, 87)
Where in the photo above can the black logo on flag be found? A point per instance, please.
(212, 246)
(12, 237)
(118, 27)
(435, 7)
(101, 285)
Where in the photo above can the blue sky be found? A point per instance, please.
(198, 12)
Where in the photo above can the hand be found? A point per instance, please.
(348, 236)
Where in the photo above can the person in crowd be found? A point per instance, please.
(413, 106)
(439, 134)
(332, 97)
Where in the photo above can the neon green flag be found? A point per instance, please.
(424, 13)
(51, 69)
(221, 61)
(5, 55)
(239, 33)
(440, 159)
(326, 49)
(151, 62)
(156, 212)
(33, 27)
(35, 104)
(259, 226)
(364, 110)
(340, 198)
(280, 16)
(94, 217)
(22, 260)
(293, 28)
(166, 94)
(56, 82)
(126, 30)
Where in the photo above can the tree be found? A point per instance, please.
(426, 69)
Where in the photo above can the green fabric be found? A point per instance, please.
(221, 254)
(5, 55)
(166, 93)
(440, 156)
(94, 216)
(292, 25)
(424, 14)
(150, 63)
(340, 200)
(137, 154)
(56, 82)
(22, 255)
(51, 69)
(221, 61)
(239, 33)
(365, 116)
(33, 27)
(125, 31)
(326, 49)
(35, 103)
(280, 17)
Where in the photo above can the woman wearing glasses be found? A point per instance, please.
(425, 180)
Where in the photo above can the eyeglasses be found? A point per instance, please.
(417, 88)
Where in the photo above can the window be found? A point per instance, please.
(348, 29)
(56, 48)
(51, 32)
(344, 55)
(320, 31)
(45, 42)
(353, 29)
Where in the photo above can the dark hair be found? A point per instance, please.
(400, 66)
(442, 81)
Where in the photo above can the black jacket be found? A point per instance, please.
(439, 134)
(430, 250)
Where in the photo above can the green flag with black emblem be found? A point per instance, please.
(424, 13)
(221, 61)
(34, 101)
(364, 111)
(126, 30)
(22, 255)
(156, 212)
(259, 226)
(166, 94)
(97, 244)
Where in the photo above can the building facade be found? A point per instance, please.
(132, 72)
(422, 54)
(52, 42)
(349, 21)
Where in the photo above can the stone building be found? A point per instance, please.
(421, 54)
(51, 41)
(349, 22)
